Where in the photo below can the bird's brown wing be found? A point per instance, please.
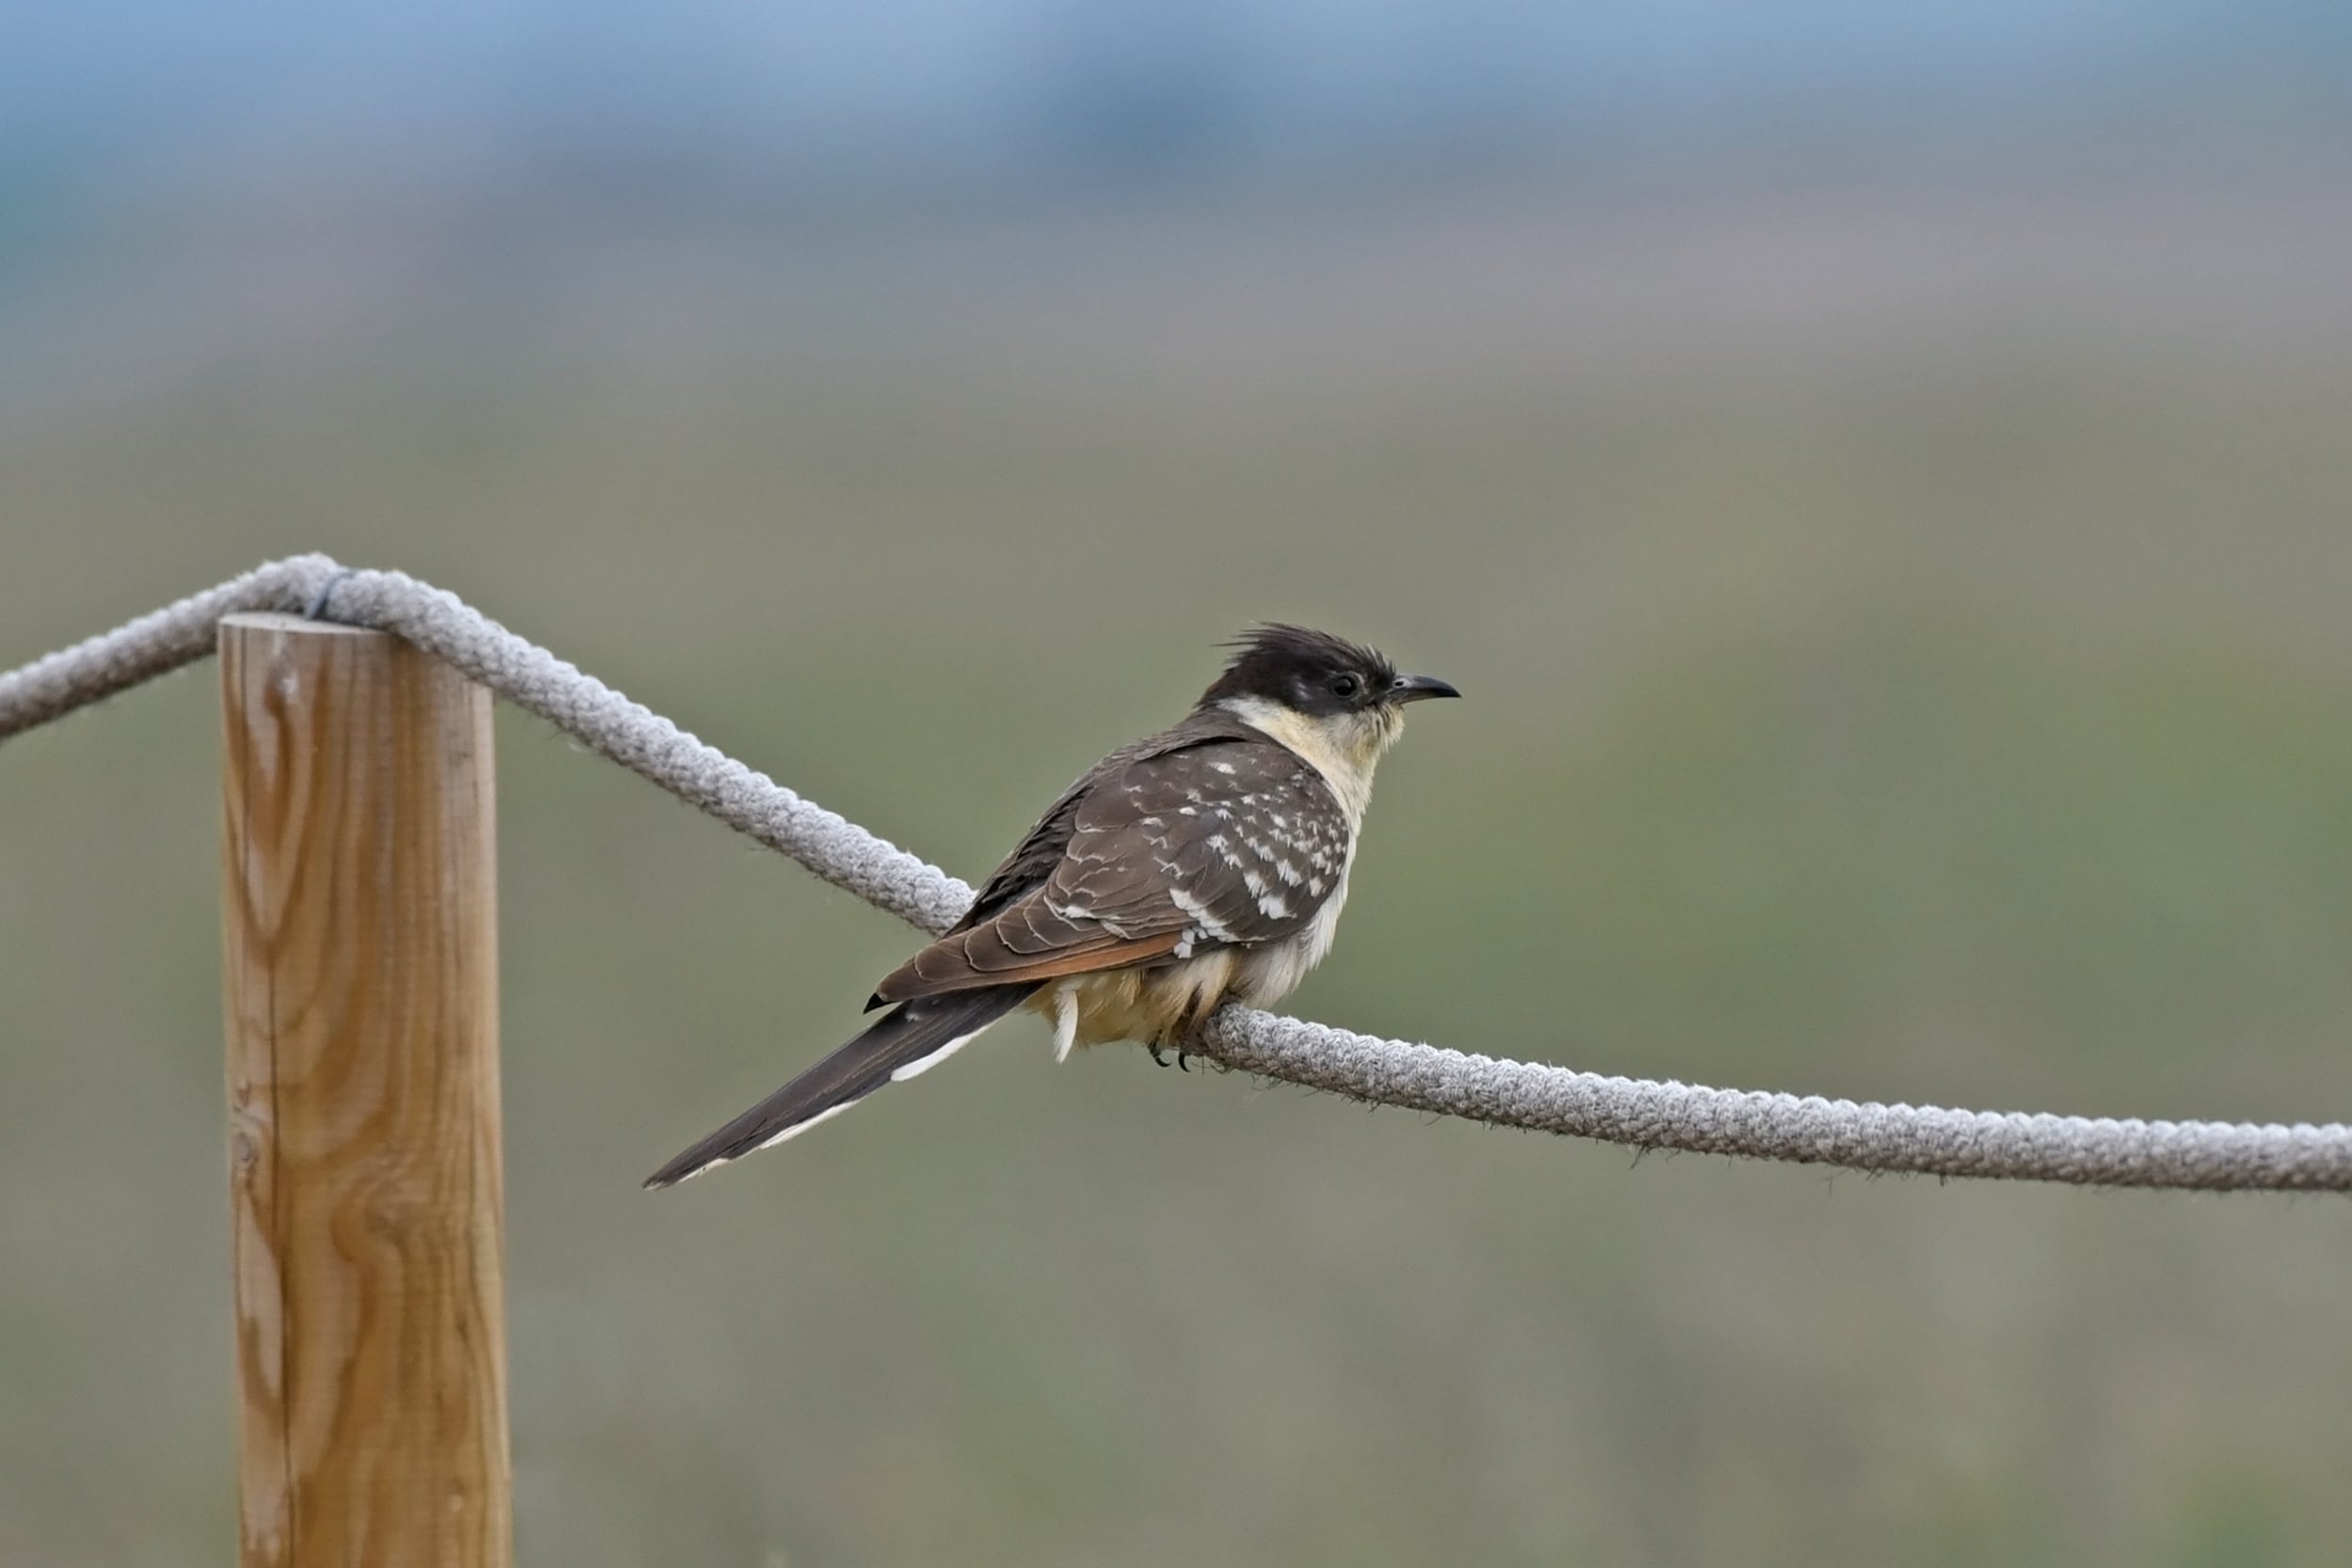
(1040, 849)
(1233, 840)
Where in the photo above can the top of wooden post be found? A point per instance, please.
(271, 620)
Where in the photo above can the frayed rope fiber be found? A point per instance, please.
(1919, 1139)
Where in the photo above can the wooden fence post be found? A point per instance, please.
(361, 903)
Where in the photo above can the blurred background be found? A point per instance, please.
(1880, 474)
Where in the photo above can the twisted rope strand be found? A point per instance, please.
(1920, 1139)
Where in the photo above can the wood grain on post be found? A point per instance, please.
(363, 1097)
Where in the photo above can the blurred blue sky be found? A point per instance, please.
(1054, 90)
(177, 179)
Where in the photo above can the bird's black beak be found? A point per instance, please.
(1412, 689)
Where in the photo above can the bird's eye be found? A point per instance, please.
(1345, 686)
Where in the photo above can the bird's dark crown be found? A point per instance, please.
(1309, 671)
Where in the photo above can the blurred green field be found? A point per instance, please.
(1912, 699)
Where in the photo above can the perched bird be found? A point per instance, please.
(1206, 862)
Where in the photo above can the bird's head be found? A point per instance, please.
(1311, 684)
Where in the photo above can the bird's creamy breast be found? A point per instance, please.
(1150, 1003)
(1161, 1001)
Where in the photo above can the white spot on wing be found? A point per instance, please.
(1210, 925)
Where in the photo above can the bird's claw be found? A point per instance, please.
(1180, 1063)
(1157, 1060)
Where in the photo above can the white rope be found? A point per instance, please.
(1645, 1115)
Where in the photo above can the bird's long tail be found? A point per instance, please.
(912, 1038)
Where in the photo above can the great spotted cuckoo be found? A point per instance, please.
(1205, 863)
